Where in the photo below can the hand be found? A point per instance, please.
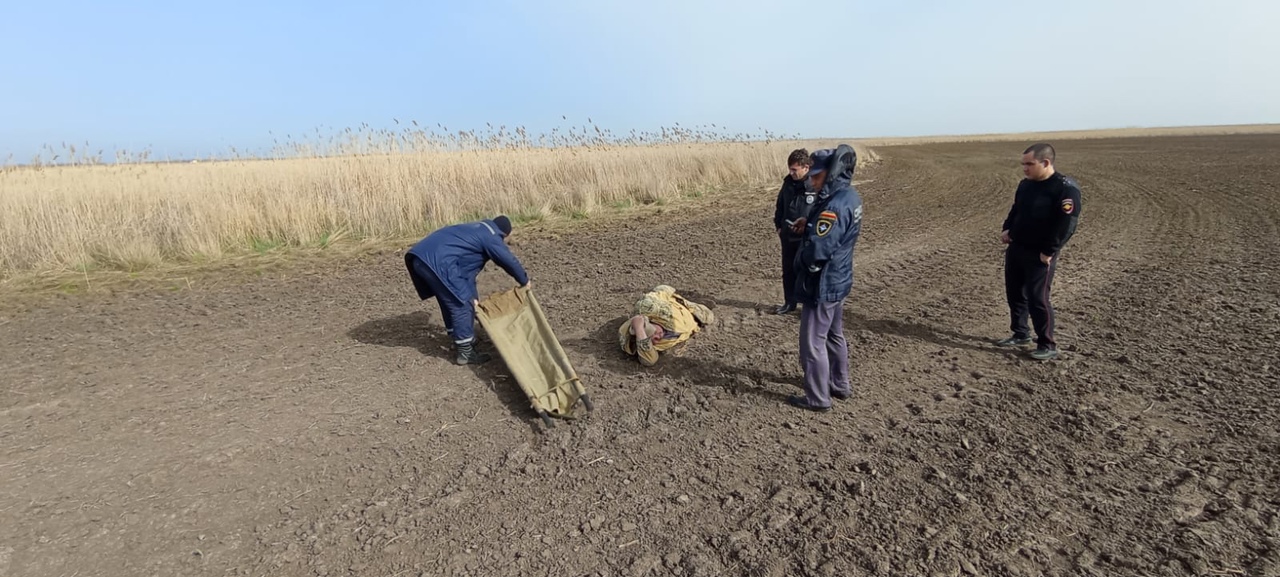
(1004, 237)
(798, 227)
(528, 285)
(1046, 259)
(475, 303)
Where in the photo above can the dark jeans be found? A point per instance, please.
(790, 245)
(1027, 282)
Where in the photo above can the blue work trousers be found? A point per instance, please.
(459, 317)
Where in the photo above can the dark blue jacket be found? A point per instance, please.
(458, 253)
(824, 263)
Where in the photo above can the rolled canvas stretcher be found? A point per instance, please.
(523, 337)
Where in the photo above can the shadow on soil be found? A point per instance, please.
(680, 364)
(418, 331)
(938, 336)
(856, 321)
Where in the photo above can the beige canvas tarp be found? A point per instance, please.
(519, 330)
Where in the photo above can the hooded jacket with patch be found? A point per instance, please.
(824, 263)
(458, 253)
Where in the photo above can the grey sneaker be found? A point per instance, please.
(1044, 354)
(1014, 341)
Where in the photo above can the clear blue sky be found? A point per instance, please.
(187, 78)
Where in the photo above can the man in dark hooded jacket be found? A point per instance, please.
(445, 265)
(824, 266)
(788, 218)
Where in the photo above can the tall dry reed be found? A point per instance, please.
(136, 213)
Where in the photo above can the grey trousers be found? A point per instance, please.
(824, 353)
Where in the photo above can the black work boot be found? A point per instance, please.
(803, 403)
(468, 355)
(784, 309)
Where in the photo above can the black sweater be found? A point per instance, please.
(1044, 213)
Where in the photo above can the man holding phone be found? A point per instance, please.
(789, 220)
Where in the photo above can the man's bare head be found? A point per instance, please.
(798, 164)
(1037, 161)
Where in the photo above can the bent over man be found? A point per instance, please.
(660, 320)
(1046, 208)
(824, 267)
(445, 265)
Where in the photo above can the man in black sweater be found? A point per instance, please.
(1046, 209)
(789, 219)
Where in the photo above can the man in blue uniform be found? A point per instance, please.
(824, 268)
(1045, 211)
(789, 218)
(445, 265)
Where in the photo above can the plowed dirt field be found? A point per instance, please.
(312, 423)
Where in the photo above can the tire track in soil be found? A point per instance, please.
(311, 424)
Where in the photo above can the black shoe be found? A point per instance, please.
(784, 309)
(841, 396)
(1014, 341)
(803, 403)
(468, 355)
(1044, 353)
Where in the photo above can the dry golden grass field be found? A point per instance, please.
(138, 215)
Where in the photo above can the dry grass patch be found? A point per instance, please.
(135, 216)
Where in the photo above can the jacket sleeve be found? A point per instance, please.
(1067, 214)
(701, 313)
(646, 353)
(501, 254)
(777, 210)
(824, 235)
(1008, 220)
(1013, 209)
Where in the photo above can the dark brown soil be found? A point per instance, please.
(312, 423)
